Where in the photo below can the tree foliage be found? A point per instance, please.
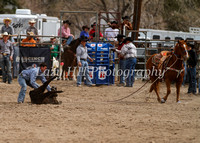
(8, 6)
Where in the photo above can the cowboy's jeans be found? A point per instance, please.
(22, 83)
(122, 67)
(84, 71)
(192, 79)
(185, 74)
(130, 73)
(69, 40)
(6, 68)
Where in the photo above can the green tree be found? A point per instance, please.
(8, 6)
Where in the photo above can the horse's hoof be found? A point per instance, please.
(179, 102)
(162, 100)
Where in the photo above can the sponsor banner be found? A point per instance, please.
(31, 56)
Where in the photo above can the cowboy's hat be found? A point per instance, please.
(85, 26)
(84, 38)
(5, 34)
(52, 37)
(94, 24)
(125, 18)
(114, 22)
(127, 39)
(30, 33)
(7, 19)
(120, 36)
(67, 21)
(32, 21)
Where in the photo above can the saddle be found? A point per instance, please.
(160, 59)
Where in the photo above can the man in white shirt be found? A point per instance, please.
(112, 31)
(130, 53)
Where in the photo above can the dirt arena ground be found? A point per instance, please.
(85, 116)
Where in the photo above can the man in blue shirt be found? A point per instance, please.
(85, 32)
(28, 77)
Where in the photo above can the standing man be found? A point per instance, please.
(82, 55)
(130, 53)
(28, 77)
(32, 28)
(122, 64)
(66, 34)
(7, 28)
(126, 25)
(191, 66)
(112, 31)
(6, 49)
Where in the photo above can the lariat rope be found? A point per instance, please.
(145, 84)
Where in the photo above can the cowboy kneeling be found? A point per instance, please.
(28, 77)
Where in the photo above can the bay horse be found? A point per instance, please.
(69, 58)
(172, 70)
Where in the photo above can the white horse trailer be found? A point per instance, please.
(46, 25)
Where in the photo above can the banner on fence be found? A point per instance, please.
(28, 56)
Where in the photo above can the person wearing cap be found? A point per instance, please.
(82, 55)
(54, 48)
(122, 64)
(85, 32)
(29, 39)
(28, 77)
(6, 49)
(32, 28)
(92, 31)
(6, 27)
(112, 31)
(126, 24)
(66, 33)
(130, 53)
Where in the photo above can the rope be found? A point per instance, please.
(143, 85)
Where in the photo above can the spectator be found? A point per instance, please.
(112, 31)
(130, 53)
(85, 32)
(126, 25)
(7, 28)
(122, 64)
(82, 55)
(92, 31)
(29, 39)
(32, 28)
(66, 34)
(28, 77)
(191, 66)
(54, 48)
(6, 57)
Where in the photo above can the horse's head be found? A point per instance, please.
(181, 49)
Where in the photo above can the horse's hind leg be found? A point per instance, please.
(178, 86)
(155, 87)
(168, 83)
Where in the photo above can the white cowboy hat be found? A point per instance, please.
(52, 37)
(5, 34)
(7, 19)
(30, 33)
(32, 21)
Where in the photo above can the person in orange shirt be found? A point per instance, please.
(29, 39)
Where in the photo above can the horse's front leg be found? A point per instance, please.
(178, 86)
(168, 83)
